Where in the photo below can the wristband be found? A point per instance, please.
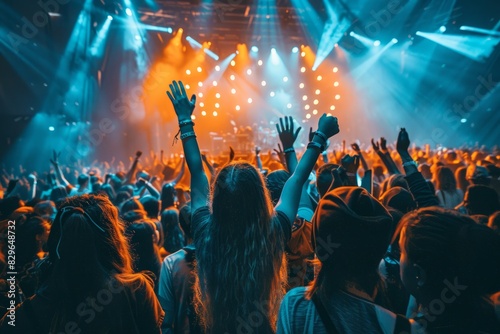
(350, 174)
(316, 145)
(187, 135)
(289, 150)
(321, 135)
(410, 163)
(186, 122)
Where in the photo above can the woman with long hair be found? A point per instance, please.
(451, 265)
(91, 285)
(448, 194)
(173, 236)
(239, 238)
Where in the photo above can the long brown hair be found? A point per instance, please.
(240, 262)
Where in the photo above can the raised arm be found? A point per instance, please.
(58, 170)
(184, 109)
(207, 163)
(288, 137)
(289, 200)
(418, 186)
(258, 160)
(180, 175)
(387, 154)
(358, 151)
(351, 165)
(131, 172)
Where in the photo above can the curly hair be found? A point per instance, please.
(240, 258)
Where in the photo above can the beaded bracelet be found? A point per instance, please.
(321, 135)
(316, 145)
(187, 135)
(186, 122)
(289, 150)
(410, 163)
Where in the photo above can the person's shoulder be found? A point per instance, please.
(297, 295)
(181, 255)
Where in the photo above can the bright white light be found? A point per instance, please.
(188, 72)
(200, 94)
(335, 69)
(337, 97)
(200, 84)
(442, 29)
(304, 98)
(315, 112)
(203, 113)
(394, 40)
(273, 50)
(233, 91)
(302, 69)
(285, 79)
(233, 63)
(217, 95)
(308, 116)
(187, 86)
(463, 120)
(237, 107)
(351, 33)
(217, 105)
(295, 49)
(199, 69)
(376, 43)
(332, 108)
(315, 102)
(263, 83)
(217, 68)
(255, 49)
(303, 54)
(51, 128)
(110, 17)
(215, 113)
(249, 100)
(249, 72)
(336, 83)
(289, 105)
(319, 78)
(259, 62)
(128, 11)
(193, 117)
(232, 77)
(301, 85)
(202, 104)
(214, 83)
(306, 107)
(272, 94)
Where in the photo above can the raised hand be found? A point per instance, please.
(375, 145)
(350, 163)
(355, 147)
(257, 150)
(55, 157)
(311, 134)
(182, 105)
(328, 125)
(286, 132)
(281, 155)
(403, 141)
(383, 144)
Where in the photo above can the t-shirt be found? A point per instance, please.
(350, 315)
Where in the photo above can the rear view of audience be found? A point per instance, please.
(358, 238)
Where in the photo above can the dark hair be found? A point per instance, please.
(46, 209)
(167, 196)
(481, 200)
(151, 206)
(240, 260)
(324, 178)
(399, 198)
(58, 194)
(451, 247)
(460, 177)
(27, 245)
(185, 221)
(82, 179)
(275, 182)
(130, 205)
(173, 236)
(89, 252)
(144, 251)
(395, 180)
(445, 180)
